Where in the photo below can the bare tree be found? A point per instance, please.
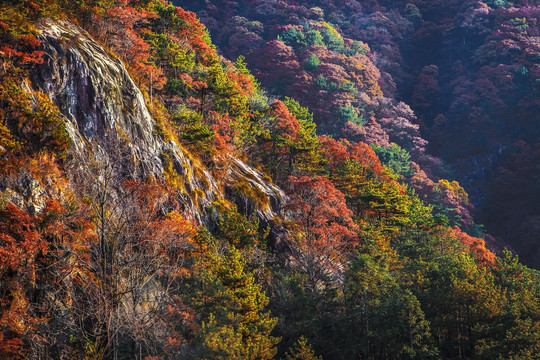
(122, 283)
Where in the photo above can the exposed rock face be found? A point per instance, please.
(95, 92)
(108, 121)
(253, 193)
(25, 192)
(106, 113)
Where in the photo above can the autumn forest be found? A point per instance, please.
(269, 179)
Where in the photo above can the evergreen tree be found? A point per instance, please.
(236, 325)
(301, 351)
(306, 154)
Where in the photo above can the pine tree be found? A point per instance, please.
(237, 327)
(301, 351)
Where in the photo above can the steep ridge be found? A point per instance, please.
(108, 121)
(107, 115)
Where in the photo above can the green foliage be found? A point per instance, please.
(241, 67)
(300, 40)
(306, 311)
(229, 98)
(177, 87)
(233, 228)
(520, 23)
(235, 325)
(413, 14)
(7, 142)
(313, 37)
(308, 155)
(332, 39)
(517, 333)
(379, 310)
(457, 286)
(32, 121)
(167, 18)
(193, 132)
(349, 113)
(303, 115)
(169, 54)
(258, 102)
(331, 86)
(498, 3)
(312, 63)
(356, 48)
(293, 37)
(379, 199)
(395, 158)
(322, 82)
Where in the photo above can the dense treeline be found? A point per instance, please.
(347, 78)
(113, 267)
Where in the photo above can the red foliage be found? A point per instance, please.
(276, 64)
(129, 17)
(286, 125)
(20, 50)
(279, 147)
(20, 246)
(327, 230)
(194, 31)
(20, 241)
(222, 140)
(337, 152)
(121, 29)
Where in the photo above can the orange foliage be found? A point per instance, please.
(477, 246)
(337, 152)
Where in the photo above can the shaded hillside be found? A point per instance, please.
(468, 69)
(156, 203)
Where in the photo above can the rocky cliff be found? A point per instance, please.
(110, 124)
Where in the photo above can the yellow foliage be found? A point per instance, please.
(456, 189)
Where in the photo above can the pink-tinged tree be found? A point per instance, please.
(276, 64)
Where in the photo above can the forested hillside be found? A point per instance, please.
(469, 70)
(273, 197)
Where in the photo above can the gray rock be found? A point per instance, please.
(106, 113)
(108, 120)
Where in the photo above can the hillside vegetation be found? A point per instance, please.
(469, 69)
(158, 203)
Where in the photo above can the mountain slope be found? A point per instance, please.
(468, 69)
(157, 204)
